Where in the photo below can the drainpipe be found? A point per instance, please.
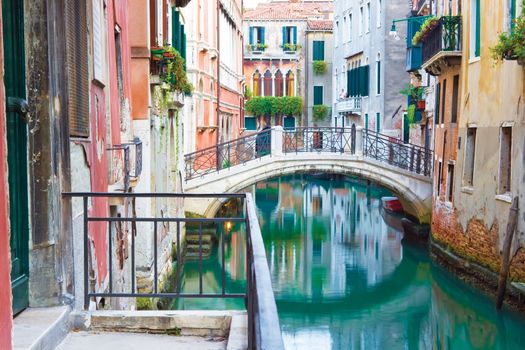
(218, 81)
(307, 68)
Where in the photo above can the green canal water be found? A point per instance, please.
(344, 278)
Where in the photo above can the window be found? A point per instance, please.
(257, 35)
(366, 121)
(378, 13)
(440, 168)
(358, 81)
(443, 98)
(368, 17)
(290, 84)
(267, 83)
(378, 122)
(318, 95)
(361, 19)
(470, 154)
(318, 50)
(200, 121)
(378, 75)
(450, 182)
(505, 159)
(250, 123)
(350, 29)
(278, 81)
(475, 22)
(256, 83)
(289, 35)
(511, 9)
(437, 104)
(455, 92)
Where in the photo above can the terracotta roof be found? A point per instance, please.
(320, 24)
(290, 10)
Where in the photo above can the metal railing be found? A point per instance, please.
(445, 37)
(125, 162)
(263, 322)
(386, 149)
(319, 139)
(227, 154)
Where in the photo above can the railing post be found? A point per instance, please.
(277, 141)
(218, 160)
(353, 139)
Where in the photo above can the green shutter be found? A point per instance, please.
(512, 14)
(318, 95)
(321, 50)
(366, 121)
(406, 129)
(378, 122)
(349, 83)
(262, 39)
(366, 83)
(175, 21)
(478, 28)
(250, 33)
(294, 33)
(318, 50)
(284, 36)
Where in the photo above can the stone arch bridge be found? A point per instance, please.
(233, 166)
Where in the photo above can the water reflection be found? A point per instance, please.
(345, 280)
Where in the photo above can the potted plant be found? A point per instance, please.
(157, 53)
(426, 28)
(511, 46)
(261, 47)
(421, 105)
(319, 67)
(320, 112)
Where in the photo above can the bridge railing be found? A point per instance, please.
(228, 154)
(319, 139)
(393, 151)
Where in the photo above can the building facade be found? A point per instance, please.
(479, 127)
(215, 69)
(367, 80)
(276, 61)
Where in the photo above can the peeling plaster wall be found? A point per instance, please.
(490, 95)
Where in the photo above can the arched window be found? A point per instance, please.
(267, 83)
(290, 84)
(256, 83)
(278, 83)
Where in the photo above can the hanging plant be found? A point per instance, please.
(320, 67)
(411, 114)
(511, 46)
(414, 92)
(426, 28)
(320, 112)
(175, 73)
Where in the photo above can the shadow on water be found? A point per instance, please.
(344, 278)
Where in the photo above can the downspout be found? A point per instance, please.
(307, 68)
(218, 84)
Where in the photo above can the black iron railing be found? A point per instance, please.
(263, 322)
(446, 36)
(392, 151)
(319, 139)
(227, 154)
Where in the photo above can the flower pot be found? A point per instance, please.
(421, 105)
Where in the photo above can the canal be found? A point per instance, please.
(344, 278)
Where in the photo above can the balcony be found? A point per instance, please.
(414, 55)
(442, 48)
(350, 105)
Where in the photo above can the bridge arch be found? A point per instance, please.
(412, 189)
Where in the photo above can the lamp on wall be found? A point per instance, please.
(393, 31)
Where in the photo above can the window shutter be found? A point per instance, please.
(262, 39)
(478, 27)
(77, 68)
(378, 77)
(437, 105)
(318, 95)
(366, 80)
(320, 47)
(251, 35)
(176, 44)
(378, 122)
(349, 83)
(294, 35)
(284, 36)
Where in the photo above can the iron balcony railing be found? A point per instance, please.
(392, 151)
(445, 37)
(319, 139)
(125, 162)
(263, 322)
(227, 154)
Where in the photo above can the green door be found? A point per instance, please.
(13, 35)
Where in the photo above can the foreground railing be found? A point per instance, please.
(263, 322)
(392, 151)
(318, 139)
(227, 154)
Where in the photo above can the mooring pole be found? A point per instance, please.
(505, 260)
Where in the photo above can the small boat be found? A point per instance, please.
(392, 204)
(415, 231)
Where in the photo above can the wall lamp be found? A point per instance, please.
(393, 30)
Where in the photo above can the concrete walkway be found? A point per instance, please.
(138, 341)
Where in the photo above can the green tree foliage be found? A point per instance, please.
(320, 112)
(275, 106)
(320, 67)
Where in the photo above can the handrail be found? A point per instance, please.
(264, 330)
